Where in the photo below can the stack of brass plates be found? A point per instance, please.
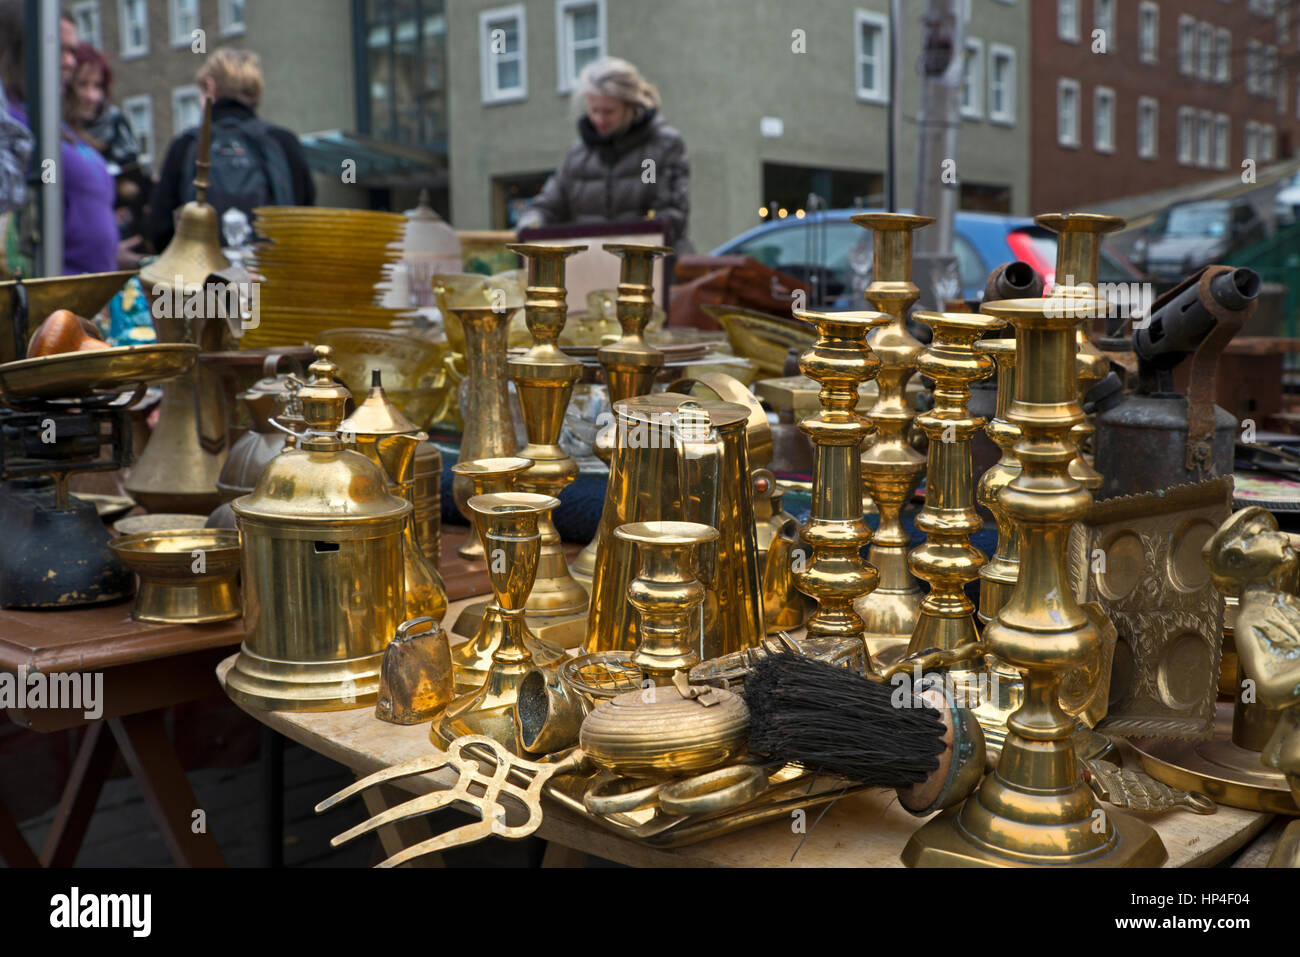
(320, 268)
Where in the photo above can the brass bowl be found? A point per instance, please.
(187, 576)
(70, 375)
(655, 731)
(404, 361)
(158, 522)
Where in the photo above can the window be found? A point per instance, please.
(187, 109)
(139, 113)
(401, 82)
(1148, 32)
(232, 17)
(1186, 135)
(1067, 20)
(1103, 19)
(1148, 127)
(871, 56)
(1267, 144)
(1067, 112)
(1268, 79)
(1221, 127)
(1282, 84)
(1252, 140)
(133, 25)
(1297, 99)
(580, 38)
(1103, 120)
(1254, 55)
(503, 54)
(1186, 46)
(1204, 137)
(89, 29)
(1223, 55)
(1002, 84)
(972, 80)
(185, 20)
(1205, 52)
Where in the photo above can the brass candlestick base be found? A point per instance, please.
(667, 595)
(482, 620)
(507, 522)
(544, 378)
(947, 559)
(1035, 808)
(835, 574)
(631, 363)
(891, 468)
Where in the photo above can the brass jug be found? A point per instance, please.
(677, 458)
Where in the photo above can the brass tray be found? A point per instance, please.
(71, 375)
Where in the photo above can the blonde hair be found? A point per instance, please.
(235, 73)
(611, 76)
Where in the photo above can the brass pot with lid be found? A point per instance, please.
(321, 545)
(380, 432)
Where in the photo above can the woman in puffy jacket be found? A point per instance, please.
(626, 164)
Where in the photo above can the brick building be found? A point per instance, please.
(1134, 96)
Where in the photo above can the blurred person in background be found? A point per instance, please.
(104, 126)
(603, 177)
(253, 163)
(89, 228)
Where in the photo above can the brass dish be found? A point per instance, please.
(107, 507)
(72, 375)
(158, 522)
(762, 337)
(84, 295)
(187, 577)
(404, 361)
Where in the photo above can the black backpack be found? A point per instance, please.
(249, 168)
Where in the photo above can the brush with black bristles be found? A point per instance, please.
(828, 719)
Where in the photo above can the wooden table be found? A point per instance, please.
(146, 669)
(864, 829)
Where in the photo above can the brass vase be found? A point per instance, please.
(947, 559)
(508, 524)
(1035, 808)
(835, 574)
(631, 363)
(891, 468)
(544, 378)
(667, 595)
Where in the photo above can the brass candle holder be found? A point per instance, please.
(489, 430)
(630, 364)
(835, 573)
(667, 595)
(472, 659)
(544, 378)
(1035, 808)
(891, 468)
(508, 523)
(947, 559)
(1078, 251)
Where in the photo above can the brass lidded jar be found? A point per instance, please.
(324, 585)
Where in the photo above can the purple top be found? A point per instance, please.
(89, 228)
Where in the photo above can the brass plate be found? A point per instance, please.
(71, 375)
(1218, 768)
(107, 507)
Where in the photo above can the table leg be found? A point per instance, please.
(153, 763)
(401, 834)
(89, 772)
(14, 850)
(273, 797)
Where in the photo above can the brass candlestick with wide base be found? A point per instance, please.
(891, 468)
(630, 364)
(947, 559)
(507, 522)
(835, 574)
(544, 378)
(1078, 252)
(1035, 807)
(482, 620)
(667, 595)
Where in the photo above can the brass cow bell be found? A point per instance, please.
(415, 681)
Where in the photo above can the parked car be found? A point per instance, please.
(819, 247)
(1187, 236)
(1286, 203)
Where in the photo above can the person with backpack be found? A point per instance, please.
(253, 163)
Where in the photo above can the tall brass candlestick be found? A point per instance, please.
(891, 468)
(947, 559)
(544, 378)
(835, 574)
(1078, 252)
(1035, 808)
(508, 524)
(631, 363)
